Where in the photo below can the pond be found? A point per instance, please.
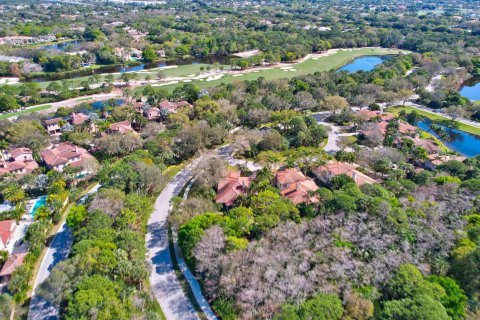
(132, 68)
(99, 105)
(367, 63)
(471, 89)
(462, 142)
(62, 46)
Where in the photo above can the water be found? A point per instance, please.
(462, 142)
(41, 201)
(62, 46)
(133, 68)
(471, 89)
(100, 105)
(367, 63)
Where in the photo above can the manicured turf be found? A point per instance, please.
(431, 116)
(333, 61)
(23, 112)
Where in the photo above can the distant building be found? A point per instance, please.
(18, 161)
(288, 176)
(153, 114)
(326, 172)
(77, 119)
(231, 186)
(65, 154)
(369, 115)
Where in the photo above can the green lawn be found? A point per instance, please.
(23, 112)
(435, 117)
(333, 61)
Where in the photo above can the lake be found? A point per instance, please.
(462, 142)
(132, 68)
(471, 89)
(367, 63)
(60, 46)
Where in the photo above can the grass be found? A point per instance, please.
(24, 112)
(435, 117)
(309, 66)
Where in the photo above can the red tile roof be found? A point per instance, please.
(121, 127)
(63, 153)
(336, 168)
(52, 121)
(78, 118)
(7, 228)
(299, 192)
(289, 176)
(366, 114)
(231, 186)
(14, 261)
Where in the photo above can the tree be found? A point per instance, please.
(92, 33)
(161, 75)
(322, 307)
(455, 112)
(14, 193)
(149, 54)
(76, 215)
(334, 103)
(7, 103)
(417, 307)
(43, 213)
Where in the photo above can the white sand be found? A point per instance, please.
(9, 80)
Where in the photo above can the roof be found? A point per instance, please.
(369, 115)
(231, 186)
(78, 118)
(289, 175)
(438, 160)
(299, 192)
(14, 261)
(428, 145)
(19, 151)
(7, 228)
(52, 121)
(121, 127)
(173, 106)
(336, 168)
(62, 154)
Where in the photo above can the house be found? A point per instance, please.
(326, 172)
(7, 229)
(429, 145)
(53, 126)
(12, 263)
(65, 154)
(231, 186)
(294, 185)
(172, 107)
(121, 127)
(153, 114)
(287, 177)
(301, 192)
(382, 126)
(435, 160)
(77, 119)
(18, 161)
(369, 115)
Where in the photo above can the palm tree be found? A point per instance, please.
(13, 193)
(43, 213)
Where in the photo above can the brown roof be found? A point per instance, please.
(428, 145)
(121, 127)
(78, 118)
(19, 151)
(14, 261)
(289, 176)
(336, 168)
(231, 186)
(438, 160)
(7, 228)
(52, 121)
(298, 192)
(369, 115)
(173, 106)
(62, 154)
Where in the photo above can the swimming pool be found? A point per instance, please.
(40, 201)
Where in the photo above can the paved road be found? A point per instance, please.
(59, 249)
(163, 280)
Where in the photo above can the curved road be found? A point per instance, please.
(163, 280)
